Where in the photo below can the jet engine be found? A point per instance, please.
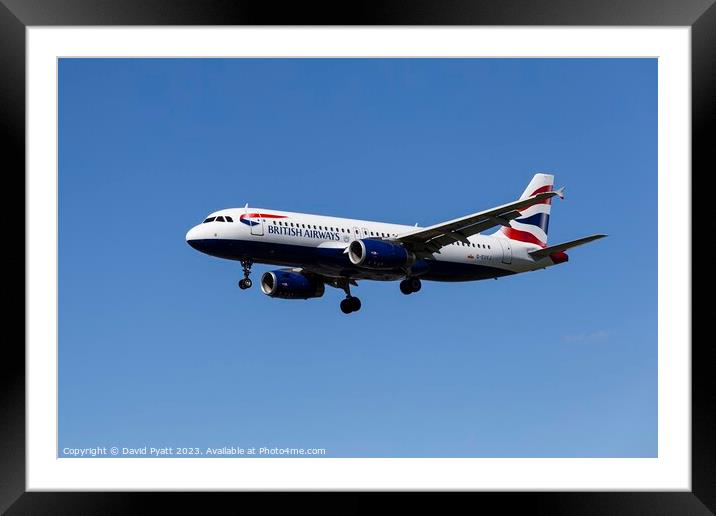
(290, 285)
(379, 254)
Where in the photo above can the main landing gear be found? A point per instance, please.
(410, 285)
(245, 283)
(350, 303)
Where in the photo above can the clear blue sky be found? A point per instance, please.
(159, 347)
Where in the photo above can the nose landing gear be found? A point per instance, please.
(245, 283)
(410, 285)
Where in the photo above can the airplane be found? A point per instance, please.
(317, 250)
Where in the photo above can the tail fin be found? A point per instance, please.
(533, 223)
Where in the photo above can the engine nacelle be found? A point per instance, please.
(290, 285)
(379, 254)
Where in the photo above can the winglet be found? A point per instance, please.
(560, 192)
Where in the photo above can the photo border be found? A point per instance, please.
(700, 15)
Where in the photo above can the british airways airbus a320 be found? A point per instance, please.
(319, 250)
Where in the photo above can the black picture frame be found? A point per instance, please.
(16, 15)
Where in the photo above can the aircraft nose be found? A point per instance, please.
(192, 237)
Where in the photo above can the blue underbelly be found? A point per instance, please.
(334, 261)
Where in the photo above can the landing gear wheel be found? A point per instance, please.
(354, 304)
(350, 304)
(405, 287)
(410, 285)
(415, 284)
(246, 264)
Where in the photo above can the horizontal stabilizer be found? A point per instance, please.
(541, 253)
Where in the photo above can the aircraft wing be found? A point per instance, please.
(429, 240)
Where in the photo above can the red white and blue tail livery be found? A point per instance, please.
(533, 223)
(317, 250)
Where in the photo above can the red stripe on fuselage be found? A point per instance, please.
(263, 216)
(522, 236)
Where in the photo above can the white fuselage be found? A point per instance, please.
(318, 243)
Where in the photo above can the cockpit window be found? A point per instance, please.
(229, 219)
(210, 219)
(219, 219)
